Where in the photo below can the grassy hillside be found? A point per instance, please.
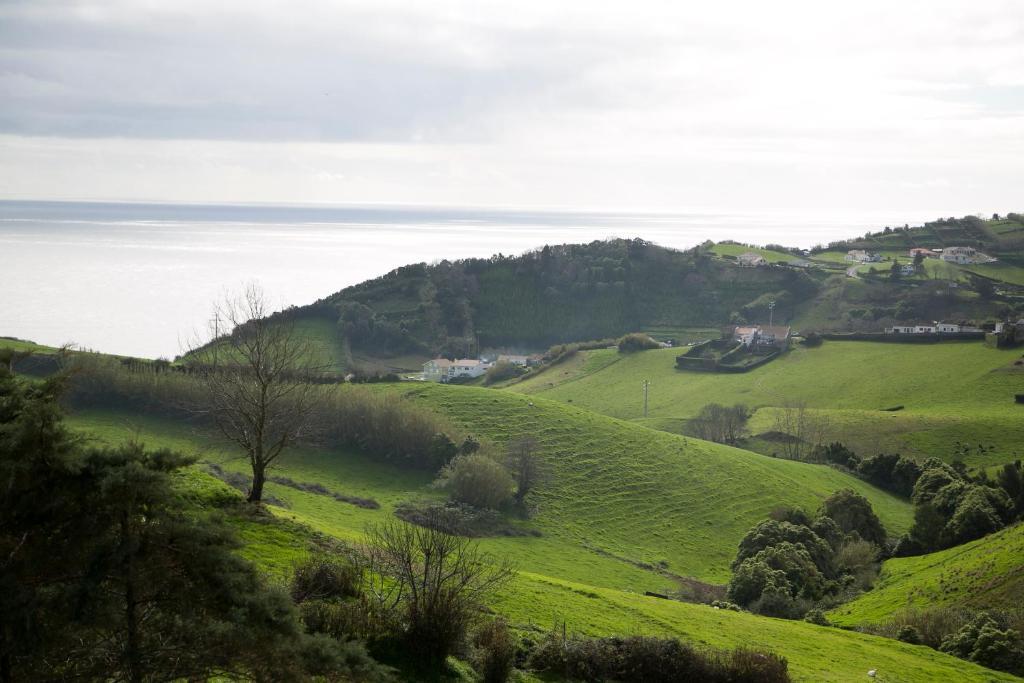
(987, 573)
(558, 581)
(950, 392)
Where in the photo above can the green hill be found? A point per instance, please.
(987, 573)
(559, 579)
(950, 392)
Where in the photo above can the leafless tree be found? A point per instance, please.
(433, 581)
(722, 424)
(256, 382)
(806, 429)
(523, 460)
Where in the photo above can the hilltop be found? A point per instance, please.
(574, 292)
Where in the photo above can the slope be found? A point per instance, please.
(950, 392)
(987, 573)
(537, 600)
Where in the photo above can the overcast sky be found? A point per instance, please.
(643, 105)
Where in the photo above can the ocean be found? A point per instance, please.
(140, 279)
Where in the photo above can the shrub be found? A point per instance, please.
(652, 660)
(987, 642)
(812, 340)
(816, 616)
(909, 634)
(325, 577)
(494, 651)
(636, 341)
(477, 480)
(501, 371)
(853, 513)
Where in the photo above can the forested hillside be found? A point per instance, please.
(573, 292)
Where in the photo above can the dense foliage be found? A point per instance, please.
(108, 575)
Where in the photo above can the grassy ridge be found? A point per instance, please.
(645, 495)
(557, 580)
(988, 572)
(950, 392)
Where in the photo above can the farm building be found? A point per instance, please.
(961, 255)
(443, 370)
(862, 256)
(762, 335)
(926, 253)
(751, 260)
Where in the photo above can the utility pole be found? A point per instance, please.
(771, 312)
(647, 384)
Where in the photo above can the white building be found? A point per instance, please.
(862, 256)
(521, 361)
(751, 260)
(900, 329)
(924, 329)
(907, 269)
(960, 255)
(444, 370)
(947, 328)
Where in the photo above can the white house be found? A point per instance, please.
(762, 335)
(924, 252)
(900, 329)
(961, 255)
(924, 329)
(947, 328)
(862, 256)
(443, 370)
(751, 260)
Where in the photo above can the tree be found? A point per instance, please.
(433, 581)
(806, 429)
(1011, 480)
(721, 424)
(477, 480)
(107, 573)
(853, 513)
(523, 461)
(256, 382)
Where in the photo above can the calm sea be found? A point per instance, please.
(139, 279)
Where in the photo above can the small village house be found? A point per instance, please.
(959, 255)
(751, 260)
(762, 335)
(907, 269)
(926, 253)
(862, 256)
(947, 328)
(444, 370)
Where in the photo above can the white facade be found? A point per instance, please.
(443, 370)
(947, 328)
(924, 329)
(862, 256)
(900, 329)
(752, 260)
(960, 255)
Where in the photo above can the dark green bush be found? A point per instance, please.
(494, 651)
(325, 577)
(636, 341)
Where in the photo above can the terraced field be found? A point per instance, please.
(987, 573)
(949, 392)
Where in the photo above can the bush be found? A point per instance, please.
(325, 577)
(853, 513)
(909, 634)
(636, 341)
(653, 660)
(477, 480)
(494, 652)
(987, 642)
(501, 371)
(816, 616)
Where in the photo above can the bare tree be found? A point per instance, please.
(523, 461)
(256, 382)
(806, 430)
(722, 424)
(432, 581)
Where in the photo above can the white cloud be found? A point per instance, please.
(645, 104)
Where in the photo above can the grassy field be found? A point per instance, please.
(559, 581)
(985, 573)
(734, 250)
(949, 392)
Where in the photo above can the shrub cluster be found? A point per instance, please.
(636, 341)
(786, 565)
(653, 660)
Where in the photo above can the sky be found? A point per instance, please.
(632, 105)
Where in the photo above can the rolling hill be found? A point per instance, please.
(986, 573)
(949, 393)
(560, 580)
